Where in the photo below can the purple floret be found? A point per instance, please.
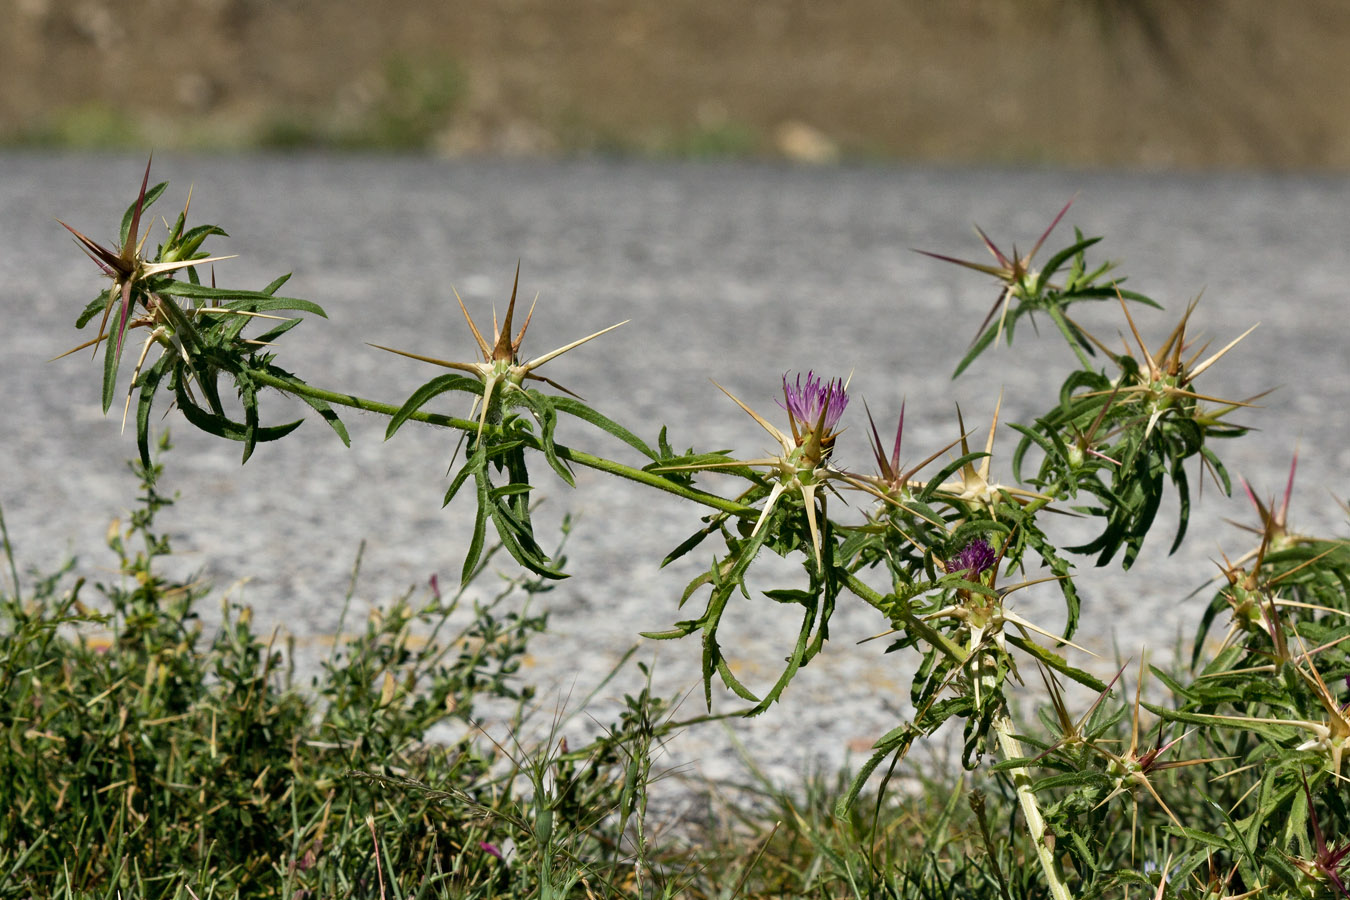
(974, 559)
(805, 402)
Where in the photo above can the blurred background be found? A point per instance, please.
(1144, 84)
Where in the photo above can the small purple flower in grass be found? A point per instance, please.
(490, 849)
(974, 559)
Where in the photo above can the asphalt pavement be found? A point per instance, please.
(733, 272)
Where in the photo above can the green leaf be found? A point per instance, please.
(433, 388)
(1052, 266)
(896, 741)
(149, 383)
(576, 408)
(477, 466)
(1274, 731)
(543, 408)
(980, 345)
(460, 477)
(192, 239)
(1056, 662)
(233, 298)
(96, 306)
(733, 683)
(268, 336)
(692, 541)
(1052, 446)
(324, 410)
(112, 354)
(1183, 502)
(507, 507)
(150, 197)
(679, 630)
(221, 426)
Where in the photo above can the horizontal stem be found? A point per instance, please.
(580, 457)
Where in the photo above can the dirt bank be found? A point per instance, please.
(1226, 83)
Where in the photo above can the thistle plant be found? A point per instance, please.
(940, 550)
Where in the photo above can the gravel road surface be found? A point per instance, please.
(734, 272)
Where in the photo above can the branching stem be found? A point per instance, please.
(579, 457)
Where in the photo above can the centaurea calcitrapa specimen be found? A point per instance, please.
(975, 490)
(130, 270)
(172, 327)
(1162, 381)
(803, 466)
(1259, 597)
(1130, 769)
(200, 327)
(1013, 271)
(893, 482)
(1117, 436)
(1328, 738)
(499, 386)
(501, 369)
(1274, 530)
(979, 604)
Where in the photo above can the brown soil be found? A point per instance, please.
(1155, 83)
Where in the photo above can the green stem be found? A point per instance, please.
(579, 457)
(1012, 749)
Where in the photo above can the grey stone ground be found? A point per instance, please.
(729, 272)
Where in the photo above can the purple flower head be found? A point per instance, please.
(806, 403)
(490, 849)
(973, 560)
